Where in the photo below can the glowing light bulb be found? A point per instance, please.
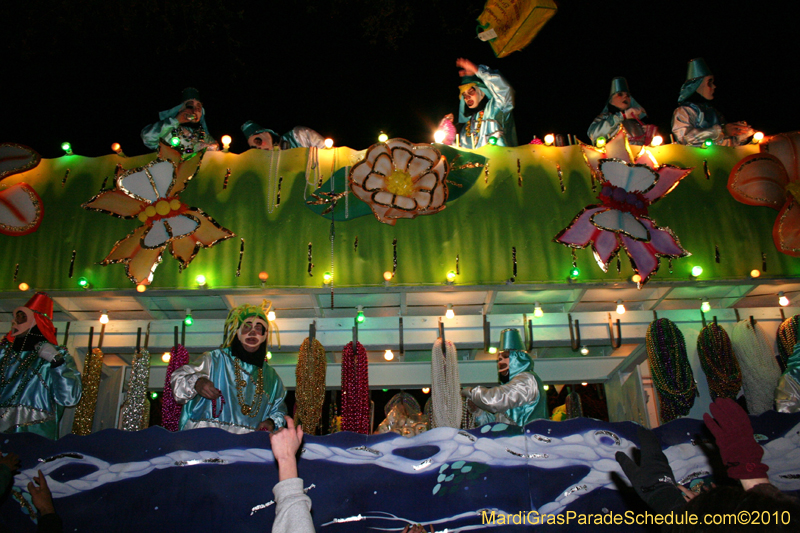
(67, 147)
(708, 142)
(449, 313)
(271, 316)
(546, 387)
(328, 143)
(600, 142)
(584, 383)
(174, 141)
(758, 137)
(360, 314)
(426, 390)
(438, 136)
(451, 276)
(636, 278)
(166, 356)
(782, 299)
(141, 287)
(382, 138)
(200, 280)
(226, 142)
(83, 283)
(658, 140)
(705, 306)
(620, 307)
(388, 355)
(387, 276)
(188, 320)
(549, 139)
(263, 276)
(117, 148)
(537, 310)
(585, 350)
(575, 272)
(697, 270)
(269, 356)
(492, 350)
(153, 395)
(104, 317)
(327, 277)
(493, 140)
(755, 273)
(24, 286)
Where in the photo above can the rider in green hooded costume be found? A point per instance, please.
(518, 400)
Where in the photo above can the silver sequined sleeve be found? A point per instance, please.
(521, 390)
(684, 127)
(184, 378)
(787, 394)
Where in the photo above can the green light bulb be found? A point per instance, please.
(153, 395)
(360, 317)
(697, 270)
(705, 307)
(83, 282)
(575, 272)
(600, 142)
(492, 140)
(708, 142)
(67, 147)
(188, 320)
(175, 141)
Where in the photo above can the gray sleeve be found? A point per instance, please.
(292, 508)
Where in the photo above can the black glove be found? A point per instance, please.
(653, 480)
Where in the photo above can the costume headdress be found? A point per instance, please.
(251, 128)
(620, 85)
(238, 315)
(42, 307)
(695, 72)
(190, 93)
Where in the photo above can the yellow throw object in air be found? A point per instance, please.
(511, 25)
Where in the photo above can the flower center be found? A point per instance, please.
(618, 198)
(163, 208)
(794, 190)
(400, 183)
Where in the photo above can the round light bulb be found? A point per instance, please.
(584, 383)
(537, 310)
(697, 270)
(549, 139)
(620, 307)
(269, 356)
(546, 387)
(387, 276)
(575, 272)
(116, 147)
(705, 306)
(426, 390)
(166, 356)
(657, 140)
(388, 355)
(328, 143)
(24, 286)
(451, 276)
(200, 280)
(83, 282)
(782, 299)
(263, 276)
(584, 350)
(226, 140)
(271, 316)
(492, 350)
(189, 321)
(67, 147)
(175, 141)
(141, 287)
(493, 140)
(439, 136)
(755, 273)
(708, 142)
(636, 278)
(758, 137)
(383, 137)
(600, 142)
(104, 317)
(153, 395)
(327, 277)
(449, 313)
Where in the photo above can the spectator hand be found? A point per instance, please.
(205, 388)
(40, 494)
(11, 460)
(285, 442)
(734, 435)
(653, 479)
(467, 67)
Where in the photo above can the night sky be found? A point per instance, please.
(95, 72)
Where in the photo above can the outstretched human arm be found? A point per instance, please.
(192, 379)
(292, 505)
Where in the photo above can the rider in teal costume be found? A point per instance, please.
(222, 390)
(38, 378)
(486, 102)
(621, 111)
(185, 122)
(267, 139)
(519, 399)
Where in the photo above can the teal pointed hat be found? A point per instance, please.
(510, 339)
(619, 85)
(695, 72)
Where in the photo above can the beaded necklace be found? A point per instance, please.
(310, 391)
(252, 409)
(134, 406)
(474, 127)
(787, 337)
(716, 356)
(445, 386)
(760, 371)
(84, 412)
(355, 389)
(669, 367)
(170, 409)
